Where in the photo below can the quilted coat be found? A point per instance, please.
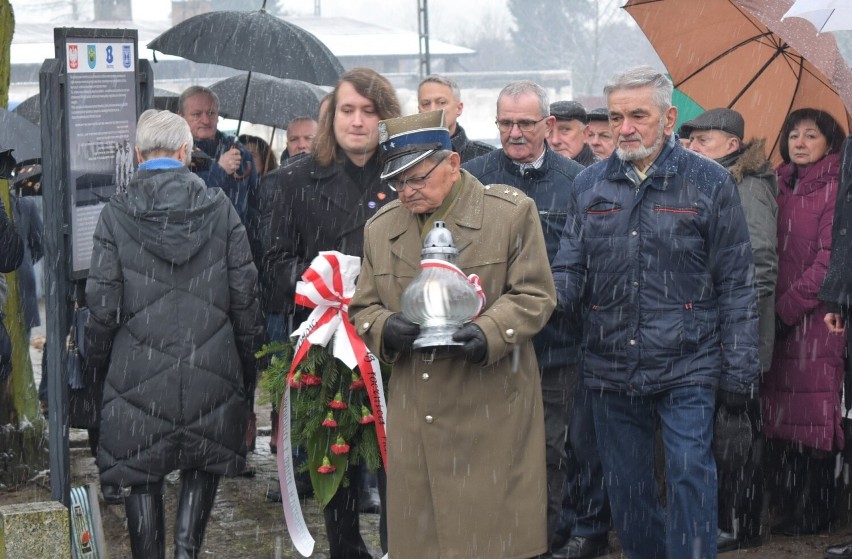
(801, 392)
(174, 310)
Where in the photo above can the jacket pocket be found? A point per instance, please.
(699, 326)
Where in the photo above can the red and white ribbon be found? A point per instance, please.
(472, 278)
(327, 287)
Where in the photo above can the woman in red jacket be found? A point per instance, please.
(800, 393)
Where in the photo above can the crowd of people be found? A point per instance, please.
(663, 341)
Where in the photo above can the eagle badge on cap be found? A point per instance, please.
(383, 132)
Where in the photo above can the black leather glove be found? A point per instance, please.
(782, 329)
(475, 346)
(399, 332)
(735, 403)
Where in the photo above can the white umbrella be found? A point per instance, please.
(826, 15)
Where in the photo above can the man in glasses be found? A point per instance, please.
(466, 443)
(216, 157)
(529, 164)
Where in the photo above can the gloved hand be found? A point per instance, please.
(782, 329)
(399, 332)
(475, 346)
(736, 403)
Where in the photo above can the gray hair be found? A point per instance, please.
(442, 80)
(643, 76)
(299, 119)
(439, 155)
(516, 89)
(162, 132)
(194, 90)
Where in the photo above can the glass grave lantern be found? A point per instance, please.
(440, 299)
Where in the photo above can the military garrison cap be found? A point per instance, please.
(407, 140)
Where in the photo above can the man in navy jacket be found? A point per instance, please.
(656, 261)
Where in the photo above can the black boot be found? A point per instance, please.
(147, 525)
(369, 501)
(197, 493)
(813, 501)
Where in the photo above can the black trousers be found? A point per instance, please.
(342, 519)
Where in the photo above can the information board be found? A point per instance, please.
(100, 101)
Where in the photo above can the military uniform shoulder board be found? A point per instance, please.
(505, 192)
(386, 208)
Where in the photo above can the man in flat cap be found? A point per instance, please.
(718, 135)
(466, 470)
(598, 133)
(568, 135)
(528, 163)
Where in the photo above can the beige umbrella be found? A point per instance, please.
(739, 54)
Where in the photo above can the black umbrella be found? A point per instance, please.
(20, 134)
(166, 100)
(30, 109)
(268, 100)
(252, 41)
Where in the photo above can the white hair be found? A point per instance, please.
(162, 131)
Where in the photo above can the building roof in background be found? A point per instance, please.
(345, 37)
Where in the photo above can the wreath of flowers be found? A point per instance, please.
(331, 416)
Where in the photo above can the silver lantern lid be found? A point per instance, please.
(439, 243)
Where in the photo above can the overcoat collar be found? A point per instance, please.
(465, 219)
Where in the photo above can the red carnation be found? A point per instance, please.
(310, 379)
(338, 403)
(340, 447)
(366, 416)
(329, 421)
(326, 467)
(357, 383)
(296, 380)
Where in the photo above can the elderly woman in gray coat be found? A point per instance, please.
(174, 311)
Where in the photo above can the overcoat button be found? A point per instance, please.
(429, 419)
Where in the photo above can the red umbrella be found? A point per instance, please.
(739, 54)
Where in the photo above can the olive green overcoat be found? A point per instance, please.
(466, 465)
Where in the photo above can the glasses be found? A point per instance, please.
(523, 125)
(198, 114)
(415, 183)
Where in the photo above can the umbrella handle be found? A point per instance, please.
(247, 165)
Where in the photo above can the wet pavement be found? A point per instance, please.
(245, 525)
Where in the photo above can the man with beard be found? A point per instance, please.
(527, 163)
(655, 260)
(718, 134)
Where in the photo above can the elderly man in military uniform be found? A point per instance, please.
(466, 465)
